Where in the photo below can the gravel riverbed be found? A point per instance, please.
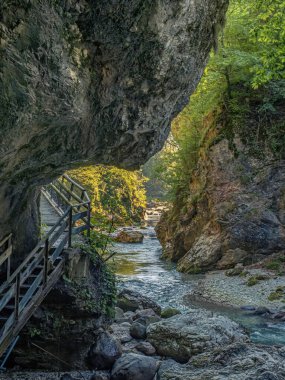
(218, 288)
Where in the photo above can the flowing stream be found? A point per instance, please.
(139, 267)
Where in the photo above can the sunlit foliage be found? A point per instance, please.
(241, 92)
(116, 194)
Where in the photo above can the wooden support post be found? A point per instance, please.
(8, 268)
(89, 220)
(17, 296)
(70, 228)
(45, 272)
(9, 258)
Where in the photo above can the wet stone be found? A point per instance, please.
(104, 353)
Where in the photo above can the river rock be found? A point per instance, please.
(129, 237)
(146, 348)
(104, 353)
(119, 313)
(130, 300)
(147, 315)
(169, 312)
(101, 375)
(234, 362)
(121, 331)
(261, 311)
(134, 367)
(130, 347)
(66, 376)
(138, 330)
(182, 336)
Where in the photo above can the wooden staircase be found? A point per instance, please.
(22, 290)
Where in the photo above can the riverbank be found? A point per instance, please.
(257, 288)
(145, 343)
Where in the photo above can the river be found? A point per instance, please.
(140, 267)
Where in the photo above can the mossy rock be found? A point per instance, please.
(277, 294)
(169, 312)
(274, 296)
(255, 279)
(252, 281)
(234, 272)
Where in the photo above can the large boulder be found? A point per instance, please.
(129, 237)
(130, 300)
(234, 362)
(182, 336)
(104, 353)
(134, 367)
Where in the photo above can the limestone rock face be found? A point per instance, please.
(235, 212)
(182, 336)
(98, 82)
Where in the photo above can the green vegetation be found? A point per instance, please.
(256, 279)
(117, 195)
(278, 294)
(273, 265)
(276, 264)
(242, 93)
(104, 298)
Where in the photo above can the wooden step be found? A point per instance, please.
(25, 286)
(9, 307)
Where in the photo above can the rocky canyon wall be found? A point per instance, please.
(84, 81)
(235, 208)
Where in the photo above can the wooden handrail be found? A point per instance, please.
(5, 240)
(69, 179)
(46, 259)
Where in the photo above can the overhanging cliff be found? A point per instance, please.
(84, 81)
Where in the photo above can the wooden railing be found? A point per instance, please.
(64, 193)
(5, 256)
(23, 290)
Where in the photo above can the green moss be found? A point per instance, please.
(194, 270)
(234, 272)
(105, 299)
(169, 312)
(278, 294)
(274, 296)
(243, 273)
(255, 279)
(252, 281)
(273, 265)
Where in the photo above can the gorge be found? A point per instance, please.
(168, 226)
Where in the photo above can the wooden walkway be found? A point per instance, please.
(65, 210)
(49, 216)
